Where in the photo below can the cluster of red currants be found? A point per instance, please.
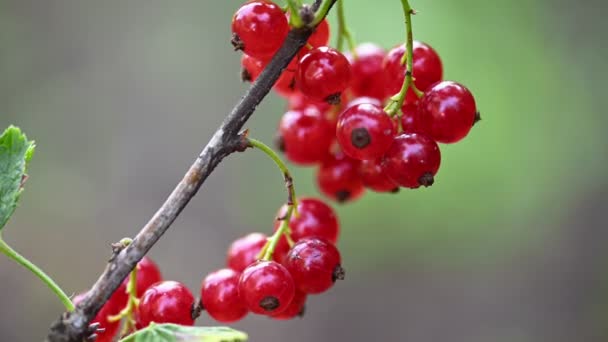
(277, 285)
(335, 118)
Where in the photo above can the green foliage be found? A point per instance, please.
(175, 333)
(15, 153)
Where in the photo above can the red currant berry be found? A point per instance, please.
(298, 101)
(286, 84)
(166, 302)
(110, 308)
(251, 68)
(338, 178)
(266, 287)
(447, 112)
(375, 178)
(259, 28)
(321, 35)
(314, 265)
(220, 296)
(365, 131)
(410, 120)
(244, 251)
(427, 69)
(305, 136)
(369, 77)
(147, 275)
(295, 308)
(363, 99)
(323, 74)
(412, 160)
(315, 219)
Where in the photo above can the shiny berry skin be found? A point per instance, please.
(363, 99)
(368, 75)
(305, 136)
(315, 265)
(266, 287)
(321, 35)
(166, 302)
(315, 219)
(427, 69)
(412, 160)
(365, 131)
(295, 308)
(110, 308)
(259, 28)
(374, 177)
(286, 84)
(244, 251)
(447, 112)
(338, 178)
(299, 101)
(220, 296)
(323, 74)
(251, 68)
(410, 120)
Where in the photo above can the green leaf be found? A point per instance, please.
(15, 152)
(180, 333)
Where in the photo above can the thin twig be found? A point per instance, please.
(73, 326)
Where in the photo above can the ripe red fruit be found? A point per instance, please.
(374, 177)
(147, 275)
(315, 219)
(166, 302)
(321, 35)
(323, 74)
(299, 101)
(338, 178)
(259, 28)
(266, 287)
(412, 160)
(447, 112)
(426, 64)
(363, 99)
(110, 308)
(251, 68)
(368, 74)
(244, 251)
(286, 84)
(305, 136)
(410, 120)
(314, 265)
(220, 296)
(365, 131)
(295, 308)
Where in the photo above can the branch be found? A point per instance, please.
(74, 326)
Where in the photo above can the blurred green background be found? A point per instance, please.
(508, 245)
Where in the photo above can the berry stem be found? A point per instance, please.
(343, 31)
(291, 191)
(283, 230)
(396, 101)
(322, 11)
(48, 281)
(294, 14)
(128, 312)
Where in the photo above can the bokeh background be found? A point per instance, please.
(509, 245)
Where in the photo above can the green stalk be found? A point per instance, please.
(396, 102)
(50, 283)
(294, 17)
(291, 191)
(274, 239)
(322, 11)
(343, 31)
